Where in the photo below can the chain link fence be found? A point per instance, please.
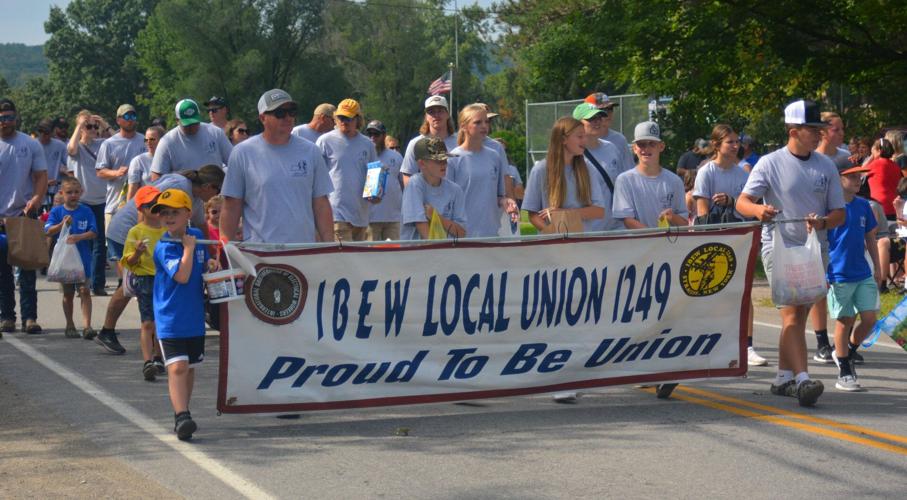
(540, 116)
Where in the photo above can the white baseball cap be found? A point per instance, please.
(436, 100)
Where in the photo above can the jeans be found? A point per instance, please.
(28, 297)
(98, 250)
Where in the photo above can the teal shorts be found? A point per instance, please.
(845, 300)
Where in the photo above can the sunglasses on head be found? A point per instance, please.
(281, 113)
(7, 118)
(92, 126)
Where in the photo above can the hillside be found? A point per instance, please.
(19, 62)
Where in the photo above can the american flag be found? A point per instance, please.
(441, 85)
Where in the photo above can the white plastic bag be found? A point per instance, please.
(798, 277)
(65, 263)
(507, 228)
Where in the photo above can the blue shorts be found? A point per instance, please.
(845, 300)
(114, 250)
(144, 290)
(188, 349)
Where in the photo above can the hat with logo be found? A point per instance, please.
(173, 198)
(431, 148)
(125, 108)
(376, 126)
(145, 195)
(273, 99)
(348, 108)
(586, 111)
(845, 166)
(187, 113)
(803, 112)
(216, 101)
(600, 100)
(436, 100)
(647, 131)
(7, 105)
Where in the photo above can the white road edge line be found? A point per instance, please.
(880, 344)
(224, 474)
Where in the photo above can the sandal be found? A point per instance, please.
(31, 326)
(71, 332)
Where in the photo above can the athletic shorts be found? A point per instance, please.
(188, 349)
(846, 300)
(114, 250)
(144, 290)
(74, 288)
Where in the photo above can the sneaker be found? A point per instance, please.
(754, 359)
(848, 383)
(159, 364)
(149, 371)
(31, 327)
(99, 292)
(89, 333)
(71, 332)
(109, 341)
(184, 426)
(8, 326)
(565, 397)
(808, 391)
(786, 389)
(823, 355)
(857, 358)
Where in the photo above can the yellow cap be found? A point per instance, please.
(348, 108)
(173, 198)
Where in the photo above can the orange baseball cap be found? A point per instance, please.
(145, 195)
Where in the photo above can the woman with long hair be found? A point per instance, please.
(479, 171)
(561, 182)
(236, 131)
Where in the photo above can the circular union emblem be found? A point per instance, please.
(707, 269)
(277, 295)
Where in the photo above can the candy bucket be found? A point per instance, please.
(224, 286)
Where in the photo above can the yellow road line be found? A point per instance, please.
(779, 418)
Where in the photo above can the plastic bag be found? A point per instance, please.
(66, 263)
(508, 228)
(435, 228)
(798, 277)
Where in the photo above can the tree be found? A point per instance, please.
(237, 49)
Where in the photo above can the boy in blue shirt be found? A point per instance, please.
(179, 302)
(854, 286)
(82, 229)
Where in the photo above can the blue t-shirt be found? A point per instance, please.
(847, 246)
(83, 221)
(179, 309)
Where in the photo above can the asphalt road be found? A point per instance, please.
(78, 422)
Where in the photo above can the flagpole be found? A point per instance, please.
(450, 67)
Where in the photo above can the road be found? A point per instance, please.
(78, 423)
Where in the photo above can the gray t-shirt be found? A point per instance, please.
(82, 166)
(514, 172)
(306, 132)
(116, 152)
(643, 198)
(536, 197)
(347, 159)
(128, 216)
(447, 198)
(608, 156)
(712, 179)
(20, 157)
(177, 151)
(140, 170)
(55, 156)
(410, 166)
(480, 174)
(277, 185)
(797, 188)
(620, 142)
(388, 210)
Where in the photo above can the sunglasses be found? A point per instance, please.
(344, 119)
(214, 110)
(129, 117)
(281, 113)
(373, 133)
(601, 115)
(151, 139)
(92, 126)
(243, 131)
(395, 148)
(7, 118)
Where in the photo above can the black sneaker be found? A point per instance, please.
(808, 392)
(785, 389)
(108, 341)
(823, 355)
(149, 371)
(159, 365)
(857, 358)
(99, 292)
(184, 426)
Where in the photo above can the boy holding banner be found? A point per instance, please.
(430, 192)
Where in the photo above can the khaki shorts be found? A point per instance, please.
(381, 231)
(344, 231)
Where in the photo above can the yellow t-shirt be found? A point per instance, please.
(139, 232)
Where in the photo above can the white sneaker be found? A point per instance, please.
(848, 383)
(754, 359)
(565, 397)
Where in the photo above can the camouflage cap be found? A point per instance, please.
(431, 148)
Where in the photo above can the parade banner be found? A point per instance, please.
(355, 326)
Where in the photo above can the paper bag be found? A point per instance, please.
(27, 243)
(564, 221)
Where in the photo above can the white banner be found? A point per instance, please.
(370, 326)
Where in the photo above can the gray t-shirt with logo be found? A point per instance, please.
(306, 132)
(447, 198)
(20, 157)
(277, 184)
(140, 170)
(177, 151)
(480, 174)
(347, 159)
(712, 179)
(388, 210)
(608, 156)
(536, 197)
(82, 166)
(55, 155)
(116, 152)
(410, 166)
(641, 197)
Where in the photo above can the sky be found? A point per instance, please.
(24, 19)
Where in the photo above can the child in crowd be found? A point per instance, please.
(138, 259)
(429, 192)
(212, 217)
(648, 195)
(82, 229)
(179, 303)
(854, 286)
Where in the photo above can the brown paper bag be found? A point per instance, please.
(564, 221)
(27, 243)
